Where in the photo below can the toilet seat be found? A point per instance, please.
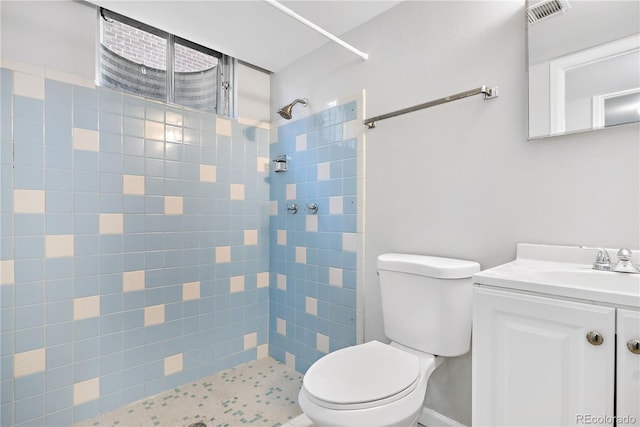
(363, 376)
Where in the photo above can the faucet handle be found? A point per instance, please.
(624, 254)
(624, 264)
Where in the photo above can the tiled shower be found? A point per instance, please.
(313, 258)
(145, 245)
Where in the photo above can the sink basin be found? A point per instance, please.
(589, 277)
(544, 269)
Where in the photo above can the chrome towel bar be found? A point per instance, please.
(489, 93)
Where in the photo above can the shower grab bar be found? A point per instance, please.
(489, 93)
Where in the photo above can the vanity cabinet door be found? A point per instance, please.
(628, 368)
(533, 364)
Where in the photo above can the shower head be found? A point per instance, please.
(285, 112)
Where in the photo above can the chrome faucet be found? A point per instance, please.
(623, 265)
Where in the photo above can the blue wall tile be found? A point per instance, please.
(57, 91)
(29, 409)
(59, 333)
(79, 185)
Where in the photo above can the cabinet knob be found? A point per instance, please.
(634, 346)
(595, 338)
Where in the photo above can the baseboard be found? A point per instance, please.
(431, 418)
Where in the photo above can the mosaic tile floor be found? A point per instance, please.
(260, 393)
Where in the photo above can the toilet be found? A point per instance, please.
(426, 309)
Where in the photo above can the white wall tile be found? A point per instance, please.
(28, 85)
(86, 307)
(173, 205)
(250, 237)
(281, 282)
(111, 223)
(263, 164)
(349, 242)
(28, 201)
(290, 191)
(223, 126)
(290, 360)
(7, 275)
(58, 246)
(350, 129)
(323, 171)
(86, 139)
(29, 362)
(263, 351)
(282, 237)
(311, 306)
(250, 340)
(133, 184)
(173, 364)
(236, 284)
(154, 315)
(133, 281)
(263, 280)
(237, 191)
(322, 343)
(208, 173)
(281, 326)
(223, 254)
(335, 276)
(301, 142)
(311, 223)
(336, 204)
(86, 391)
(301, 254)
(190, 291)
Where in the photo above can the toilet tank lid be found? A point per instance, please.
(429, 266)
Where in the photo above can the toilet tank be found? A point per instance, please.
(426, 302)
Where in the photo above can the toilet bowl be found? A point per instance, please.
(426, 309)
(371, 384)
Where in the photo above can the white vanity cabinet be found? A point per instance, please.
(532, 362)
(555, 342)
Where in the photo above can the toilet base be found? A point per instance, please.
(371, 417)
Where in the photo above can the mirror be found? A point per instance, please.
(584, 65)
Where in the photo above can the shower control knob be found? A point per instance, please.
(313, 208)
(293, 208)
(595, 338)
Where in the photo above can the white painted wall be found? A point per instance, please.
(461, 179)
(584, 25)
(61, 36)
(253, 94)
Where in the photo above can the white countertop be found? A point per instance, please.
(564, 271)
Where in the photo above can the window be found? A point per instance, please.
(143, 60)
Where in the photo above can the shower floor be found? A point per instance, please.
(262, 393)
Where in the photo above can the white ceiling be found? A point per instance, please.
(252, 31)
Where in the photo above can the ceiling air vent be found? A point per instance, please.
(545, 9)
